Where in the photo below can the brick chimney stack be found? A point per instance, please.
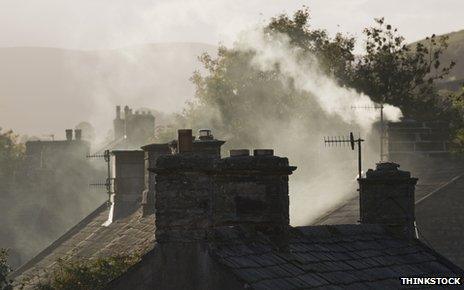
(183, 194)
(387, 198)
(253, 191)
(194, 192)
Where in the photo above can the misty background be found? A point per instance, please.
(64, 62)
(87, 56)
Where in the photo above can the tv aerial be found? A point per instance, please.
(345, 141)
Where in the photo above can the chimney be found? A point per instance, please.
(183, 193)
(253, 191)
(184, 140)
(69, 134)
(152, 152)
(118, 112)
(127, 112)
(128, 181)
(207, 145)
(387, 198)
(78, 134)
(194, 192)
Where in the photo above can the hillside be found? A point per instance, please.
(39, 86)
(455, 52)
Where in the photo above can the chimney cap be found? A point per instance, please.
(239, 152)
(205, 134)
(156, 146)
(387, 170)
(263, 152)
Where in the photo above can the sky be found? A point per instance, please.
(101, 24)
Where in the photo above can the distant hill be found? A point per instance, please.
(454, 52)
(44, 90)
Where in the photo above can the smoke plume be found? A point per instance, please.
(325, 176)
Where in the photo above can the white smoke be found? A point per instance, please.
(325, 176)
(308, 77)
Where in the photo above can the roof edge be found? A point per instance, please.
(21, 269)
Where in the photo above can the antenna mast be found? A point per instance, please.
(382, 125)
(334, 141)
(109, 180)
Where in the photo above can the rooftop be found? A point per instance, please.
(89, 239)
(431, 180)
(348, 256)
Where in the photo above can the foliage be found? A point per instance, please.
(5, 269)
(392, 72)
(87, 274)
(233, 96)
(238, 99)
(334, 55)
(11, 154)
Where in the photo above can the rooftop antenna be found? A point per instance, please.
(109, 180)
(382, 127)
(343, 141)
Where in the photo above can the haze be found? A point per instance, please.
(44, 90)
(90, 24)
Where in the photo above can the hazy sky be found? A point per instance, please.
(90, 24)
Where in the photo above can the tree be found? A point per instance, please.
(5, 269)
(11, 155)
(239, 100)
(234, 95)
(402, 75)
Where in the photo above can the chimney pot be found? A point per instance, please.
(78, 134)
(185, 140)
(69, 134)
(239, 152)
(205, 134)
(263, 152)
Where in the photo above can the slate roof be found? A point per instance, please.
(327, 257)
(431, 180)
(89, 239)
(356, 256)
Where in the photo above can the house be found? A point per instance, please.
(49, 193)
(207, 222)
(132, 128)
